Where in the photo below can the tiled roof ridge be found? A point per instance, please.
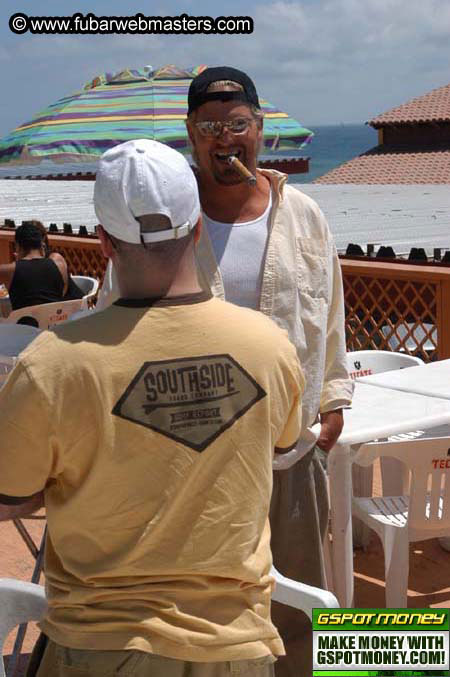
(433, 106)
(387, 164)
(388, 148)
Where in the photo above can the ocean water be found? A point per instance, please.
(331, 146)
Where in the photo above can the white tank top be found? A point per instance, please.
(240, 250)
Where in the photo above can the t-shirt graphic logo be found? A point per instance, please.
(191, 400)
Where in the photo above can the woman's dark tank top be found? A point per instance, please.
(35, 281)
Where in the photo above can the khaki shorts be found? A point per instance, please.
(59, 661)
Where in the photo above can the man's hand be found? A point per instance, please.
(331, 424)
(12, 511)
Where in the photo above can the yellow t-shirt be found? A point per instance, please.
(152, 430)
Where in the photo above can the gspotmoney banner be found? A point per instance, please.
(394, 642)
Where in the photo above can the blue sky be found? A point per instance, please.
(323, 61)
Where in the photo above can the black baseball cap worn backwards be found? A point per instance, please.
(198, 95)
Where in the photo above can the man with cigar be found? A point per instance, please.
(267, 246)
(150, 427)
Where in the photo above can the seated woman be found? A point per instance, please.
(34, 277)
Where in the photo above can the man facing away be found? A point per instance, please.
(150, 428)
(268, 247)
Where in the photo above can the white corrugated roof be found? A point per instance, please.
(48, 201)
(402, 216)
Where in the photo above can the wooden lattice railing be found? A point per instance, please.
(395, 306)
(389, 306)
(83, 254)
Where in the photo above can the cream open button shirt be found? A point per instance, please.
(302, 293)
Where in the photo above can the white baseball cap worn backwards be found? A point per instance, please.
(145, 177)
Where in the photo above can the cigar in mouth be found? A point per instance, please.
(242, 170)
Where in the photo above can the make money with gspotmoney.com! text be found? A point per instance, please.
(138, 23)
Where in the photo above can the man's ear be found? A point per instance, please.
(198, 229)
(105, 242)
(190, 131)
(260, 123)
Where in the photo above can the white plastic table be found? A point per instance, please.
(15, 337)
(431, 379)
(376, 412)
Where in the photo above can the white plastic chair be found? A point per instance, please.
(365, 362)
(20, 602)
(48, 314)
(301, 596)
(399, 520)
(88, 285)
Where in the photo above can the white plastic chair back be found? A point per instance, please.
(88, 285)
(48, 314)
(20, 602)
(301, 596)
(363, 363)
(109, 291)
(429, 496)
(366, 362)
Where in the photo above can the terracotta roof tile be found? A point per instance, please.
(389, 165)
(431, 107)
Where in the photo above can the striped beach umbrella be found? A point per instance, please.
(132, 104)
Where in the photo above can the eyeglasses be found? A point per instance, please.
(214, 128)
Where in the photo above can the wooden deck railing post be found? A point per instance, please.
(5, 246)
